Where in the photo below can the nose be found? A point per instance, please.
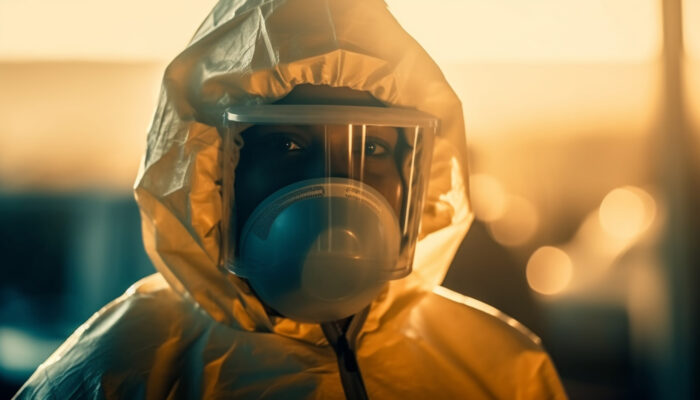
(331, 162)
(341, 162)
(333, 155)
(340, 165)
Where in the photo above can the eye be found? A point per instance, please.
(375, 148)
(282, 143)
(288, 144)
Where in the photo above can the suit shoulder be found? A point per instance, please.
(493, 347)
(485, 313)
(124, 335)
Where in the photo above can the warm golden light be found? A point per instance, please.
(130, 30)
(551, 30)
(555, 30)
(691, 28)
(691, 64)
(626, 212)
(549, 270)
(488, 197)
(517, 225)
(691, 96)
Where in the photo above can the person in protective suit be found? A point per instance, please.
(205, 325)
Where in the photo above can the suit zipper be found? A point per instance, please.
(341, 336)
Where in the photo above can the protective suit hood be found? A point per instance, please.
(254, 52)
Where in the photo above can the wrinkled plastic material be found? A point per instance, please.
(195, 330)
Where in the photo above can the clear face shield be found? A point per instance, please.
(323, 205)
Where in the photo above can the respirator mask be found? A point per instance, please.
(322, 204)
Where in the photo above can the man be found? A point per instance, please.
(198, 330)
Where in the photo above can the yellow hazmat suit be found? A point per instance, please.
(193, 330)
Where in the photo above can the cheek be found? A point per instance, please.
(389, 185)
(258, 178)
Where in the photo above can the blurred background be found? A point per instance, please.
(583, 119)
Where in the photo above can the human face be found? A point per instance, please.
(274, 156)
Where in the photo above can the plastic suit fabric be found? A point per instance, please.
(194, 330)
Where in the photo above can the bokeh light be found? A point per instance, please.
(488, 197)
(517, 225)
(22, 351)
(549, 270)
(626, 212)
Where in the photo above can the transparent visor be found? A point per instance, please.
(324, 187)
